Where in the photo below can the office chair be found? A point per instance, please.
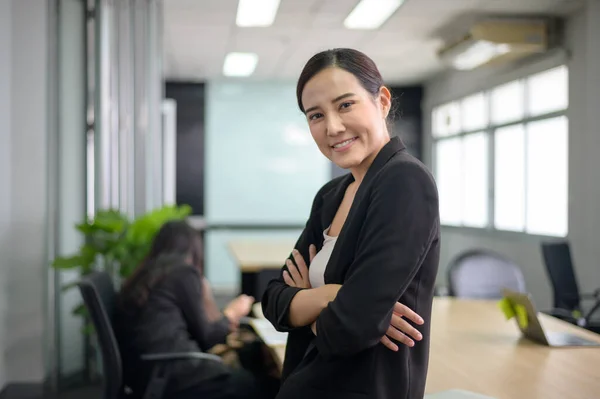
(567, 298)
(99, 298)
(482, 274)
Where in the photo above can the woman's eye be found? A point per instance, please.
(315, 116)
(345, 105)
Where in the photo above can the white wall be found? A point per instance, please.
(583, 61)
(23, 46)
(5, 170)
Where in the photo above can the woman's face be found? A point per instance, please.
(346, 122)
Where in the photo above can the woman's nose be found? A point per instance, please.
(334, 125)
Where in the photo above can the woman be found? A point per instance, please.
(167, 306)
(373, 242)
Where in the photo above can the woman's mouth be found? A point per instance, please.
(343, 145)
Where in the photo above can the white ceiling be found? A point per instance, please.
(198, 34)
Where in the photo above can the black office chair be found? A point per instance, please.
(567, 298)
(99, 296)
(482, 274)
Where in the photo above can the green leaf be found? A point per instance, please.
(80, 310)
(88, 329)
(88, 255)
(86, 228)
(67, 262)
(108, 221)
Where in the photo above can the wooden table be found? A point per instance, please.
(259, 256)
(475, 348)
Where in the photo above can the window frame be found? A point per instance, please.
(490, 129)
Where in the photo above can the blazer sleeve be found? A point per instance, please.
(278, 295)
(189, 293)
(401, 222)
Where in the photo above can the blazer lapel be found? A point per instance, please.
(332, 200)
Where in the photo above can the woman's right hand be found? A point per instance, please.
(400, 329)
(298, 276)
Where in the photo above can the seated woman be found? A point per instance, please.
(166, 306)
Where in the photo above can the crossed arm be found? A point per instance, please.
(307, 305)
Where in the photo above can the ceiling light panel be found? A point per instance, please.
(256, 13)
(240, 64)
(371, 14)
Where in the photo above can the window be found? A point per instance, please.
(501, 156)
(547, 189)
(446, 119)
(548, 92)
(509, 179)
(474, 112)
(508, 104)
(475, 182)
(449, 172)
(462, 161)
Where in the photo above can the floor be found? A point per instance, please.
(33, 391)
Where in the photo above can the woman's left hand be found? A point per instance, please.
(298, 276)
(401, 330)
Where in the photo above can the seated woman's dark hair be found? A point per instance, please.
(175, 244)
(350, 60)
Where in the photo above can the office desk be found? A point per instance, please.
(259, 256)
(475, 348)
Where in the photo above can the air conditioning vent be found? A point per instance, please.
(496, 41)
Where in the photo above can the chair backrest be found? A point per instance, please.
(559, 265)
(482, 274)
(99, 296)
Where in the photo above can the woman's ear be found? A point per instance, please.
(385, 99)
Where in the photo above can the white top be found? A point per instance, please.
(319, 263)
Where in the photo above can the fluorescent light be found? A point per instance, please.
(479, 53)
(371, 14)
(240, 64)
(256, 13)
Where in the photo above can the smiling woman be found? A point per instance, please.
(368, 254)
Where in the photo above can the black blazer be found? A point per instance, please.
(387, 251)
(173, 319)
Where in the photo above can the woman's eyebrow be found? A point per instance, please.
(338, 98)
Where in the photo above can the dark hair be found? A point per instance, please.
(350, 60)
(175, 244)
(178, 238)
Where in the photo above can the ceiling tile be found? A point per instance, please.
(203, 6)
(339, 7)
(298, 6)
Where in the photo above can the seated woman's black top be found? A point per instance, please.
(172, 319)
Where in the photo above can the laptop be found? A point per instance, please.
(533, 329)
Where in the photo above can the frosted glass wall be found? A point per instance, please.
(262, 168)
